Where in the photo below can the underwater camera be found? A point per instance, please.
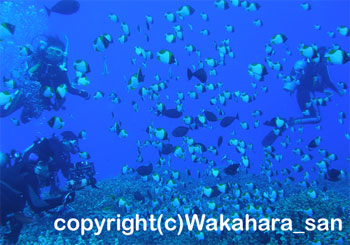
(81, 175)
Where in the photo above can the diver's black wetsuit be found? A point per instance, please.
(52, 76)
(41, 72)
(54, 149)
(315, 78)
(18, 185)
(56, 154)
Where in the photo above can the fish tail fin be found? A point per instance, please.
(48, 11)
(189, 74)
(237, 116)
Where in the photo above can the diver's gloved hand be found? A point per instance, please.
(84, 94)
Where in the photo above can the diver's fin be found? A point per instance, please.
(48, 11)
(271, 137)
(20, 217)
(189, 74)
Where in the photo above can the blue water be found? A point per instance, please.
(110, 152)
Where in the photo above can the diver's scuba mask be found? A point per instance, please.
(54, 54)
(42, 171)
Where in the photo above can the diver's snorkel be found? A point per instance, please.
(63, 65)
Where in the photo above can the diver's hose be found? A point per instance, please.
(65, 54)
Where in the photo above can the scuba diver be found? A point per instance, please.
(54, 151)
(307, 78)
(57, 153)
(45, 81)
(20, 184)
(22, 176)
